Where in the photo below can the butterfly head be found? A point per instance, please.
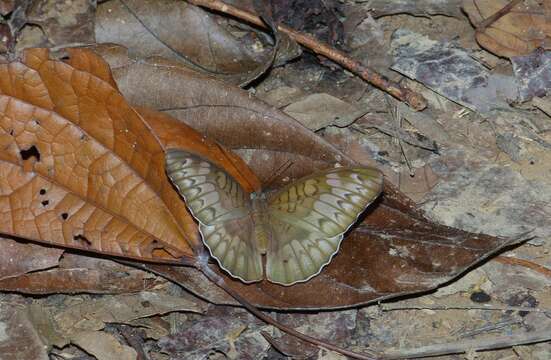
(258, 196)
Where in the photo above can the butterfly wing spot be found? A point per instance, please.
(310, 187)
(221, 180)
(229, 246)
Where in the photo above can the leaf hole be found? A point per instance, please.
(11, 132)
(45, 203)
(26, 154)
(64, 216)
(79, 238)
(36, 121)
(42, 191)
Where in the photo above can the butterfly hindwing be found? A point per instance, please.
(222, 208)
(232, 245)
(309, 217)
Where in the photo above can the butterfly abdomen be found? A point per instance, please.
(258, 215)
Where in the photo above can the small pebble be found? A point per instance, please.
(480, 297)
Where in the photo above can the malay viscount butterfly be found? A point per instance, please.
(297, 229)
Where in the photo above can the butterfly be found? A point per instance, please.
(298, 229)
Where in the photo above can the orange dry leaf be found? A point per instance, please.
(80, 168)
(522, 30)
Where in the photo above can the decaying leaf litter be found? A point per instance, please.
(479, 154)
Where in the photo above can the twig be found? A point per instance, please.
(399, 306)
(464, 346)
(525, 263)
(498, 15)
(397, 122)
(490, 327)
(414, 99)
(219, 281)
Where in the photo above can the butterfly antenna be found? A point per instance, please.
(220, 282)
(225, 154)
(280, 170)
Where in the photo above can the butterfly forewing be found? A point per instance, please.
(210, 193)
(309, 217)
(222, 208)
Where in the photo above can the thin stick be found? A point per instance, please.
(498, 15)
(202, 266)
(414, 99)
(464, 346)
(219, 281)
(525, 263)
(398, 306)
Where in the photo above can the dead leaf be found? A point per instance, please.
(87, 169)
(219, 111)
(423, 254)
(451, 72)
(416, 8)
(17, 259)
(61, 22)
(232, 332)
(522, 30)
(103, 346)
(416, 255)
(60, 141)
(19, 339)
(94, 314)
(182, 33)
(77, 274)
(317, 111)
(533, 73)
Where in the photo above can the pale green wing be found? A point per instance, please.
(309, 217)
(222, 208)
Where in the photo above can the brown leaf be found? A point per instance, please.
(17, 259)
(82, 169)
(62, 22)
(221, 112)
(182, 33)
(522, 30)
(79, 162)
(75, 274)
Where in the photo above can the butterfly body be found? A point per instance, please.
(262, 233)
(297, 229)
